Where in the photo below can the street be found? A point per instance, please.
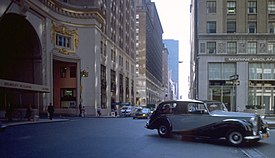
(113, 137)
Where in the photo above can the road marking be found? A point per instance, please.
(252, 153)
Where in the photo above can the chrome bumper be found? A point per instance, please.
(260, 136)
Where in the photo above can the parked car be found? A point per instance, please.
(207, 119)
(126, 111)
(141, 113)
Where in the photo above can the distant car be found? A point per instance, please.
(126, 111)
(207, 120)
(141, 113)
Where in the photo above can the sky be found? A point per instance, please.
(175, 20)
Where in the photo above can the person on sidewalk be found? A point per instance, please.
(29, 112)
(50, 111)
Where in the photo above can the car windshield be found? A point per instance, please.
(213, 106)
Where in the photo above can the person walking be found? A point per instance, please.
(51, 111)
(29, 112)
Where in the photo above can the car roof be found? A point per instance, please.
(183, 100)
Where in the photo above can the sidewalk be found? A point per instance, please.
(25, 122)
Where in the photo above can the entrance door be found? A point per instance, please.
(224, 94)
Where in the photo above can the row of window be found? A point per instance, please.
(257, 71)
(231, 27)
(231, 48)
(232, 5)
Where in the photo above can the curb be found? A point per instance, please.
(33, 122)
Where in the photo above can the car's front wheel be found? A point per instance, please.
(164, 130)
(235, 138)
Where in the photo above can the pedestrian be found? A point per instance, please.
(51, 111)
(98, 112)
(80, 110)
(29, 112)
(9, 111)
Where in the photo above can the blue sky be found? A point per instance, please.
(175, 19)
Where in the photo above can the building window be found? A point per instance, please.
(73, 71)
(211, 47)
(211, 27)
(258, 71)
(63, 41)
(271, 7)
(211, 7)
(231, 26)
(271, 27)
(68, 97)
(271, 48)
(252, 7)
(231, 7)
(221, 71)
(252, 27)
(231, 47)
(252, 47)
(63, 71)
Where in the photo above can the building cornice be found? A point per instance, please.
(75, 11)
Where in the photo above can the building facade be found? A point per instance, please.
(173, 61)
(233, 52)
(67, 53)
(149, 47)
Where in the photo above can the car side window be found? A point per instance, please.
(180, 108)
(195, 108)
(166, 109)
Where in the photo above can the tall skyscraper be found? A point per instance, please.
(149, 49)
(173, 61)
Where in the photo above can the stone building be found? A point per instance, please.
(233, 52)
(67, 53)
(149, 47)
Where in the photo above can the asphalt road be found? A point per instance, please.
(112, 138)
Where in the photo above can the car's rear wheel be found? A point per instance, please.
(164, 130)
(235, 138)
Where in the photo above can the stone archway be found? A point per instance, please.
(20, 59)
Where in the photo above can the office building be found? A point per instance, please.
(149, 47)
(67, 53)
(173, 61)
(233, 52)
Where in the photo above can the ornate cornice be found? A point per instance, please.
(74, 12)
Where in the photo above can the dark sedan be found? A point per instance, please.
(207, 119)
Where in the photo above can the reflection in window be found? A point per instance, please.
(252, 27)
(231, 7)
(271, 48)
(271, 27)
(73, 71)
(252, 47)
(211, 7)
(252, 7)
(63, 41)
(231, 26)
(211, 27)
(271, 7)
(231, 47)
(221, 71)
(211, 47)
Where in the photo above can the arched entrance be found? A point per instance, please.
(20, 61)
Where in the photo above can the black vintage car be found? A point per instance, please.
(207, 120)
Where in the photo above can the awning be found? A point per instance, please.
(24, 86)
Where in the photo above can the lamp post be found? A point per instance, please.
(235, 81)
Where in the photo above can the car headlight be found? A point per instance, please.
(253, 121)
